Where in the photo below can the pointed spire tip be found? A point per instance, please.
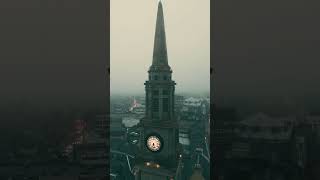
(160, 57)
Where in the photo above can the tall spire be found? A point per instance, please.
(160, 57)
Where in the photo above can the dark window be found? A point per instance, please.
(165, 104)
(165, 77)
(242, 128)
(155, 77)
(255, 129)
(165, 92)
(275, 130)
(155, 92)
(155, 104)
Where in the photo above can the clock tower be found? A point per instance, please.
(158, 157)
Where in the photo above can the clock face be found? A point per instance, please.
(154, 143)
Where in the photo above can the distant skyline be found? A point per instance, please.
(132, 28)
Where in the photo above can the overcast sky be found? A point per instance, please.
(187, 24)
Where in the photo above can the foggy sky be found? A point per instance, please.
(132, 28)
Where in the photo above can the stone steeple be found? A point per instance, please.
(159, 126)
(160, 86)
(160, 56)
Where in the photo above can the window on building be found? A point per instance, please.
(155, 77)
(255, 129)
(165, 92)
(155, 92)
(155, 104)
(165, 77)
(275, 130)
(242, 128)
(165, 104)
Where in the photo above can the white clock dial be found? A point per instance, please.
(153, 143)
